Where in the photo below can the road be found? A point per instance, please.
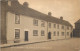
(72, 44)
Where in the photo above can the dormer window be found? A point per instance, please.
(9, 3)
(49, 25)
(62, 27)
(35, 22)
(58, 26)
(42, 24)
(54, 25)
(17, 19)
(67, 28)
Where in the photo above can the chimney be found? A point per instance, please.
(25, 4)
(10, 2)
(49, 13)
(61, 18)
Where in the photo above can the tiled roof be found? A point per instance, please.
(17, 8)
(78, 21)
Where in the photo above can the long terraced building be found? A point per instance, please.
(21, 24)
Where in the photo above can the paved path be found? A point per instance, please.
(72, 44)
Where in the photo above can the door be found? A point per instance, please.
(49, 35)
(26, 35)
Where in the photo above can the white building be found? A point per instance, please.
(21, 24)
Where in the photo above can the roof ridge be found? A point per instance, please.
(35, 14)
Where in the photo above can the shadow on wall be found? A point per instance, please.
(76, 33)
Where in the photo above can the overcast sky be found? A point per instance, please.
(69, 9)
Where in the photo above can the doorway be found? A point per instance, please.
(49, 35)
(26, 35)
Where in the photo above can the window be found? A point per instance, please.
(62, 33)
(67, 33)
(42, 24)
(35, 22)
(17, 19)
(58, 33)
(67, 28)
(9, 3)
(58, 26)
(35, 32)
(54, 33)
(17, 33)
(42, 33)
(62, 27)
(54, 25)
(49, 25)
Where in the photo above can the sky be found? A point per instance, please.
(69, 9)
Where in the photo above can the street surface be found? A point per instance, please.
(72, 44)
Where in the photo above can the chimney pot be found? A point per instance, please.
(61, 18)
(49, 13)
(25, 4)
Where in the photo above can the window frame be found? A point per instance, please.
(54, 33)
(35, 32)
(58, 26)
(54, 25)
(42, 23)
(35, 22)
(67, 27)
(62, 33)
(49, 25)
(9, 3)
(42, 33)
(16, 22)
(62, 26)
(67, 33)
(58, 33)
(17, 34)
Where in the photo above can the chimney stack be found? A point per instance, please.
(25, 4)
(61, 18)
(49, 13)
